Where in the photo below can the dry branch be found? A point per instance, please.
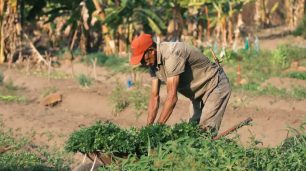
(37, 54)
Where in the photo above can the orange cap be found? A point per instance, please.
(139, 45)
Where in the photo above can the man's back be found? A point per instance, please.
(197, 73)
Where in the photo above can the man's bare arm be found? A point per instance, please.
(172, 84)
(154, 101)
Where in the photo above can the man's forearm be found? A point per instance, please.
(152, 109)
(167, 109)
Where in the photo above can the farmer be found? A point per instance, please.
(186, 70)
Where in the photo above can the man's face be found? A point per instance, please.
(148, 58)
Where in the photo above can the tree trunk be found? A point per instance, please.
(121, 40)
(11, 37)
(223, 30)
(218, 28)
(208, 24)
(230, 26)
(200, 33)
(237, 31)
(230, 31)
(108, 41)
(257, 16)
(2, 12)
(295, 12)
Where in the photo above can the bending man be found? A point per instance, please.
(186, 70)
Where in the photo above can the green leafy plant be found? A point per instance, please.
(298, 92)
(9, 98)
(111, 139)
(297, 75)
(1, 78)
(301, 29)
(185, 129)
(152, 136)
(200, 153)
(105, 137)
(81, 140)
(183, 147)
(284, 54)
(84, 80)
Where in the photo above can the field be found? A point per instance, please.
(271, 92)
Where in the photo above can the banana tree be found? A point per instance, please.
(9, 21)
(109, 47)
(295, 10)
(78, 15)
(134, 17)
(263, 13)
(225, 10)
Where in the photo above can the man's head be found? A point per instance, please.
(142, 50)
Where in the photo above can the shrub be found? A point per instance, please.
(284, 54)
(84, 80)
(185, 129)
(152, 136)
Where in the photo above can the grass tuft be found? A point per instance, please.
(297, 75)
(84, 80)
(1, 78)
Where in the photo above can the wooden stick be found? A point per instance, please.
(94, 64)
(49, 69)
(214, 56)
(84, 158)
(235, 127)
(93, 165)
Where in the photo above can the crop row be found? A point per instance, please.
(184, 147)
(109, 138)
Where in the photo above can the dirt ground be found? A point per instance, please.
(83, 106)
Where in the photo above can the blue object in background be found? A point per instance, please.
(129, 82)
(246, 44)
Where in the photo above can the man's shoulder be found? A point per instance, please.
(170, 48)
(172, 43)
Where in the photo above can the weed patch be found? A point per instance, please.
(285, 54)
(84, 80)
(184, 147)
(19, 157)
(137, 97)
(1, 78)
(8, 98)
(297, 75)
